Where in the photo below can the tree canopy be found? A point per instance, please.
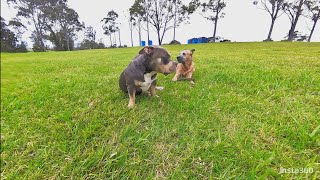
(52, 20)
(9, 39)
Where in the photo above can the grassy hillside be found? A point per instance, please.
(255, 108)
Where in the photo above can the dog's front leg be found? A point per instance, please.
(152, 88)
(175, 78)
(189, 76)
(178, 72)
(132, 96)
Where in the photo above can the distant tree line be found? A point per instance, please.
(164, 15)
(54, 22)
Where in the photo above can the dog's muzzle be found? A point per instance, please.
(180, 59)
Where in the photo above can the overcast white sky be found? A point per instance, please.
(243, 22)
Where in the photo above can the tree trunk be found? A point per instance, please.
(39, 33)
(66, 37)
(164, 31)
(55, 38)
(139, 31)
(175, 20)
(216, 22)
(67, 40)
(215, 27)
(115, 38)
(291, 31)
(119, 37)
(148, 31)
(131, 37)
(313, 27)
(157, 25)
(110, 40)
(159, 39)
(174, 33)
(148, 23)
(271, 29)
(295, 21)
(42, 43)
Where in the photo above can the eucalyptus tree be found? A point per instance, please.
(313, 13)
(213, 11)
(273, 8)
(138, 15)
(294, 11)
(31, 10)
(110, 26)
(62, 22)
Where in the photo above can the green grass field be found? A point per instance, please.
(255, 108)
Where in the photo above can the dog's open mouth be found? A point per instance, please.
(166, 74)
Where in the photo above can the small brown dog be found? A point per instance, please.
(186, 67)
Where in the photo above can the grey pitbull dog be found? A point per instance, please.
(140, 75)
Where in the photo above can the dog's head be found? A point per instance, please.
(185, 56)
(159, 60)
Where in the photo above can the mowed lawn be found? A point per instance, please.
(255, 108)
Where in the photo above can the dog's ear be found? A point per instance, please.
(146, 50)
(192, 50)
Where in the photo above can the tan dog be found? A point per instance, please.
(186, 67)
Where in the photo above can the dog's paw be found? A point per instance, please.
(160, 88)
(192, 83)
(174, 79)
(130, 106)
